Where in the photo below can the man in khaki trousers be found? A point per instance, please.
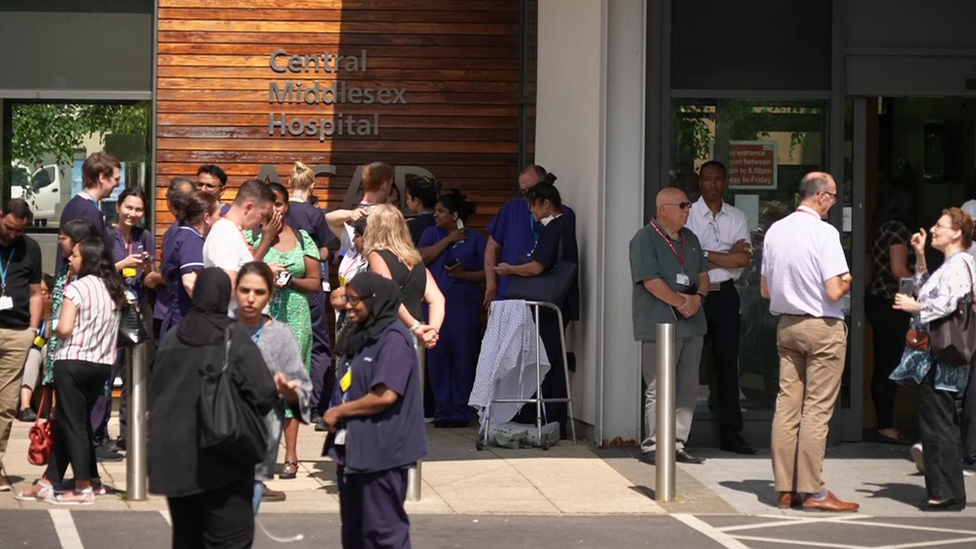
(805, 276)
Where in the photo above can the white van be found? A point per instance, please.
(40, 187)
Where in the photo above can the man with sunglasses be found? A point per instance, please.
(670, 275)
(724, 234)
(212, 179)
(805, 277)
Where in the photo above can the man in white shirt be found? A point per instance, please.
(724, 235)
(226, 246)
(805, 276)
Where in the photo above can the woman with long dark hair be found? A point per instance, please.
(87, 330)
(377, 429)
(891, 256)
(456, 258)
(209, 495)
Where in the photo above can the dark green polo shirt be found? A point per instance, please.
(650, 258)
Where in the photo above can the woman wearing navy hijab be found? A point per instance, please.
(456, 258)
(377, 432)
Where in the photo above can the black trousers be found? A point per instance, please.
(77, 385)
(554, 384)
(889, 328)
(371, 510)
(967, 420)
(722, 312)
(940, 441)
(216, 519)
(322, 370)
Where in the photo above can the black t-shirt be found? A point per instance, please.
(22, 263)
(420, 224)
(547, 252)
(412, 282)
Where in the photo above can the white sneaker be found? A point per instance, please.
(916, 453)
(968, 471)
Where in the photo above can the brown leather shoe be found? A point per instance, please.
(267, 494)
(788, 500)
(830, 504)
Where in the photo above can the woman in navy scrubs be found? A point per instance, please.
(377, 432)
(456, 258)
(183, 253)
(546, 207)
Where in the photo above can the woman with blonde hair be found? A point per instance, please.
(392, 254)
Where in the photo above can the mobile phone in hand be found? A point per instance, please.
(906, 286)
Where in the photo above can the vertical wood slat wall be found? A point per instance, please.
(458, 61)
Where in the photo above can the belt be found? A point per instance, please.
(801, 316)
(724, 285)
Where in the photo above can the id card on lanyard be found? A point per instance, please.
(345, 382)
(6, 302)
(682, 277)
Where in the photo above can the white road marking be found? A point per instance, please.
(804, 543)
(793, 521)
(64, 526)
(710, 531)
(937, 543)
(919, 528)
(167, 518)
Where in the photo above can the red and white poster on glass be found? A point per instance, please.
(752, 165)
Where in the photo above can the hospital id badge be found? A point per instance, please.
(340, 438)
(346, 381)
(683, 279)
(6, 303)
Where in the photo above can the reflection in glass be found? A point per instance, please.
(50, 141)
(767, 147)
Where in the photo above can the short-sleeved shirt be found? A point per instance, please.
(718, 233)
(303, 216)
(419, 225)
(182, 255)
(395, 437)
(226, 248)
(142, 241)
(883, 280)
(547, 252)
(97, 325)
(81, 206)
(353, 260)
(651, 257)
(162, 292)
(517, 231)
(470, 252)
(22, 263)
(800, 253)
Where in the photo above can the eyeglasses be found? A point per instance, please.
(681, 205)
(940, 226)
(832, 195)
(353, 299)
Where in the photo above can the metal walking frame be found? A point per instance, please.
(482, 440)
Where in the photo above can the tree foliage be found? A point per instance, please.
(59, 129)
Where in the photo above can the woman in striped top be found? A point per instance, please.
(87, 329)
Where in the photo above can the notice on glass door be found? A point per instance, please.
(752, 165)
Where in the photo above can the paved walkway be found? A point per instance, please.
(566, 480)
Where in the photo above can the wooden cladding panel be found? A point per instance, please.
(457, 60)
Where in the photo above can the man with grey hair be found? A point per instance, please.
(805, 276)
(670, 276)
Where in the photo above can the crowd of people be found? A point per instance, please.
(241, 288)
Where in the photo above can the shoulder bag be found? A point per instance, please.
(550, 287)
(229, 425)
(952, 339)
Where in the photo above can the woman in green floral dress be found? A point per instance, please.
(293, 251)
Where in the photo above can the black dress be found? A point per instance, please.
(412, 282)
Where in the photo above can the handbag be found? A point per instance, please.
(132, 331)
(550, 287)
(42, 434)
(917, 340)
(229, 425)
(953, 338)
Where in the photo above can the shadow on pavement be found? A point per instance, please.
(763, 489)
(909, 494)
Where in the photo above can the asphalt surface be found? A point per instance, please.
(149, 530)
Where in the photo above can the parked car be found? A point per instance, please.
(41, 187)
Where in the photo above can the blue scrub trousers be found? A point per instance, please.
(453, 361)
(371, 509)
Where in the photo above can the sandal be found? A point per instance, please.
(84, 497)
(289, 471)
(46, 493)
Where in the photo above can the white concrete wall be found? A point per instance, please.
(74, 52)
(589, 133)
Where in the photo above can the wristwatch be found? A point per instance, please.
(706, 254)
(703, 297)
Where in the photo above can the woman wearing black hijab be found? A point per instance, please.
(209, 496)
(377, 432)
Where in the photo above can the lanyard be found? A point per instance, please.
(532, 225)
(3, 271)
(257, 334)
(681, 258)
(244, 238)
(801, 210)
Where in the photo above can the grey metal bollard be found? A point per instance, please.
(665, 393)
(414, 473)
(137, 456)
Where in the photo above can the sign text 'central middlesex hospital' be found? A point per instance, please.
(332, 92)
